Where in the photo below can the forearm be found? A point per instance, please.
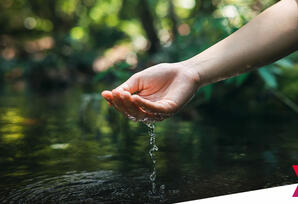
(271, 35)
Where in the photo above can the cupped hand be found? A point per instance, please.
(154, 93)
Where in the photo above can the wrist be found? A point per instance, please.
(191, 69)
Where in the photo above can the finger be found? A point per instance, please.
(118, 103)
(132, 85)
(113, 105)
(110, 103)
(107, 95)
(131, 108)
(153, 107)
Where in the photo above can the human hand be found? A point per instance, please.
(154, 93)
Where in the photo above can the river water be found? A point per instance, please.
(69, 146)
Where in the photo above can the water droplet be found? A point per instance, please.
(153, 149)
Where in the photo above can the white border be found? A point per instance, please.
(278, 195)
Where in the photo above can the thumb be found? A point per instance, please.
(132, 85)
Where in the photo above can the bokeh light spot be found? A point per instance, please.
(30, 23)
(77, 33)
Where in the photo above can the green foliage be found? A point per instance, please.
(118, 71)
(207, 91)
(268, 77)
(289, 83)
(82, 31)
(285, 62)
(238, 80)
(269, 73)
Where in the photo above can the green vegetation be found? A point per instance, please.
(57, 55)
(53, 44)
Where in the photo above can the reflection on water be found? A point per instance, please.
(66, 147)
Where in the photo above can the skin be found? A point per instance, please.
(163, 89)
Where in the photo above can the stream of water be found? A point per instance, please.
(154, 194)
(153, 149)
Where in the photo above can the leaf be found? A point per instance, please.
(268, 77)
(276, 70)
(207, 90)
(284, 63)
(241, 78)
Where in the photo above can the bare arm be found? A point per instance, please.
(163, 89)
(271, 35)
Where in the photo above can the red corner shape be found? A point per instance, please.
(295, 167)
(296, 192)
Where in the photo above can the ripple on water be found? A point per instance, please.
(85, 187)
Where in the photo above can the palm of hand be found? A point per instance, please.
(160, 91)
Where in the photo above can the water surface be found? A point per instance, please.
(69, 146)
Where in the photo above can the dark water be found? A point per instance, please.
(69, 147)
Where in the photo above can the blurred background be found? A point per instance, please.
(56, 56)
(58, 44)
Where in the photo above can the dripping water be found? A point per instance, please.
(157, 195)
(153, 148)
